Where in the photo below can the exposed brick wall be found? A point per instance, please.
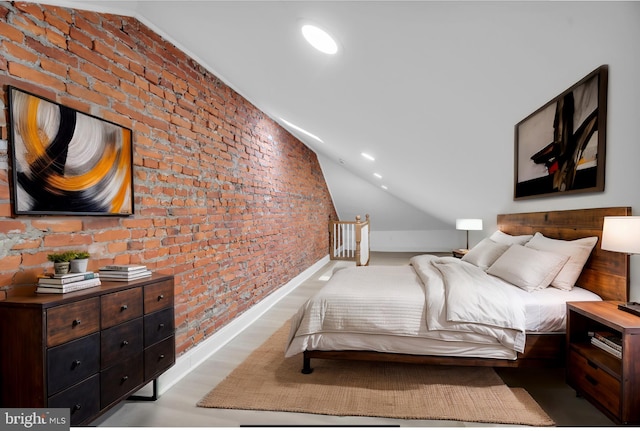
(226, 200)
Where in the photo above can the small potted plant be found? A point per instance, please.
(61, 261)
(80, 261)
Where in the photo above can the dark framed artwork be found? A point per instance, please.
(68, 162)
(560, 148)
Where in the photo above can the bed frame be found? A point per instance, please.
(605, 273)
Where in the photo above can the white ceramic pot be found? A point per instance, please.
(79, 265)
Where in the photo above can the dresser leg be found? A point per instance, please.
(147, 397)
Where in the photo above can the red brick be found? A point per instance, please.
(12, 226)
(10, 263)
(31, 9)
(206, 207)
(54, 67)
(57, 225)
(32, 75)
(11, 32)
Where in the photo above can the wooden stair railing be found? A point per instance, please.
(349, 240)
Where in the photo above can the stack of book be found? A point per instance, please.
(124, 272)
(608, 342)
(65, 283)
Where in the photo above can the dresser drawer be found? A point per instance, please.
(71, 321)
(159, 357)
(158, 296)
(83, 400)
(120, 379)
(120, 306)
(158, 326)
(72, 362)
(120, 342)
(594, 381)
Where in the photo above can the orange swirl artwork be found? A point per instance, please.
(68, 162)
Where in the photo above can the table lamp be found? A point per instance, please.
(622, 234)
(468, 224)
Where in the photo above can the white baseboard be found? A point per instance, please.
(194, 357)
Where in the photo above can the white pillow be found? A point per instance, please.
(577, 250)
(485, 253)
(527, 268)
(505, 238)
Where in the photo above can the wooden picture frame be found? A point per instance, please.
(560, 148)
(66, 162)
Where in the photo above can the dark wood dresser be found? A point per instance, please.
(86, 350)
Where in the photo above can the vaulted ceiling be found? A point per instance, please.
(431, 89)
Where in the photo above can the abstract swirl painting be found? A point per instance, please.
(67, 162)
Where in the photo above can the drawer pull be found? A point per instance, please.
(592, 365)
(124, 343)
(161, 326)
(161, 357)
(76, 322)
(590, 379)
(76, 363)
(77, 407)
(160, 297)
(124, 379)
(124, 307)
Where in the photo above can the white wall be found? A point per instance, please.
(560, 42)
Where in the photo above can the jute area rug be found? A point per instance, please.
(267, 380)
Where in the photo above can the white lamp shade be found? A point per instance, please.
(469, 224)
(621, 234)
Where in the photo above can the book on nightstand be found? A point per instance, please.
(610, 339)
(607, 348)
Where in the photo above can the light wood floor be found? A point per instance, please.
(177, 406)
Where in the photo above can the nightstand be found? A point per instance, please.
(612, 384)
(459, 252)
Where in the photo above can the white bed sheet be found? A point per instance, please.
(545, 313)
(546, 309)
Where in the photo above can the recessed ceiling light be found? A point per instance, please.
(368, 157)
(319, 39)
(377, 176)
(384, 187)
(300, 129)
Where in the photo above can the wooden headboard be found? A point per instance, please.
(606, 273)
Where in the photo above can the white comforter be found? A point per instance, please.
(437, 298)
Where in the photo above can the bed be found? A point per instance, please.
(510, 332)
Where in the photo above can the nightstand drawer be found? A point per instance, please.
(72, 362)
(71, 321)
(120, 306)
(594, 381)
